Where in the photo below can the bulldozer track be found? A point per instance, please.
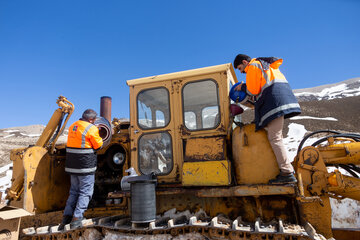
(214, 229)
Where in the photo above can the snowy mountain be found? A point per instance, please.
(348, 88)
(339, 101)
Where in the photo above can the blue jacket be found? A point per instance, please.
(276, 98)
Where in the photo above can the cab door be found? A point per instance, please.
(202, 131)
(152, 130)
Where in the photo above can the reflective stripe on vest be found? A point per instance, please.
(84, 135)
(278, 109)
(83, 170)
(79, 150)
(267, 79)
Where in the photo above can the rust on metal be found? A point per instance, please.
(205, 149)
(346, 233)
(236, 191)
(247, 190)
(105, 108)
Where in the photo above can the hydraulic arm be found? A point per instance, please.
(317, 181)
(45, 144)
(340, 151)
(55, 123)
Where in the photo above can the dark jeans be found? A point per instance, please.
(81, 191)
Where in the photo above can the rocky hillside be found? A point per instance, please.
(339, 101)
(18, 137)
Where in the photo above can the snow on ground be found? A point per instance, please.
(11, 131)
(5, 181)
(316, 118)
(30, 135)
(295, 134)
(8, 136)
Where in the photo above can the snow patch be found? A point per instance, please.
(316, 118)
(295, 134)
(345, 213)
(30, 135)
(11, 131)
(11, 135)
(5, 182)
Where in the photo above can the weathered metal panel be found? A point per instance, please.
(208, 173)
(205, 149)
(44, 176)
(346, 233)
(254, 159)
(317, 213)
(247, 190)
(182, 74)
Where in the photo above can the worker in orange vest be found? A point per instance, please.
(274, 101)
(83, 140)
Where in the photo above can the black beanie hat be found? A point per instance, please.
(239, 58)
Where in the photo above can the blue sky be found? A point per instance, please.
(86, 49)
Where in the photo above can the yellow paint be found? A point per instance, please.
(344, 153)
(348, 187)
(318, 214)
(207, 173)
(17, 186)
(44, 177)
(254, 159)
(183, 74)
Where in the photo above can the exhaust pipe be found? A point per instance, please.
(104, 121)
(105, 108)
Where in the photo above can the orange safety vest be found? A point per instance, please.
(82, 135)
(258, 79)
(274, 97)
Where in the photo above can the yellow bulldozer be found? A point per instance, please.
(196, 168)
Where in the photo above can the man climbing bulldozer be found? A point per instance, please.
(274, 101)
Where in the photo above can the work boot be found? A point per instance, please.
(76, 223)
(66, 220)
(283, 179)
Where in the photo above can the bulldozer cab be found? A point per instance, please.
(178, 126)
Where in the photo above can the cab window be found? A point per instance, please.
(153, 108)
(155, 153)
(201, 105)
